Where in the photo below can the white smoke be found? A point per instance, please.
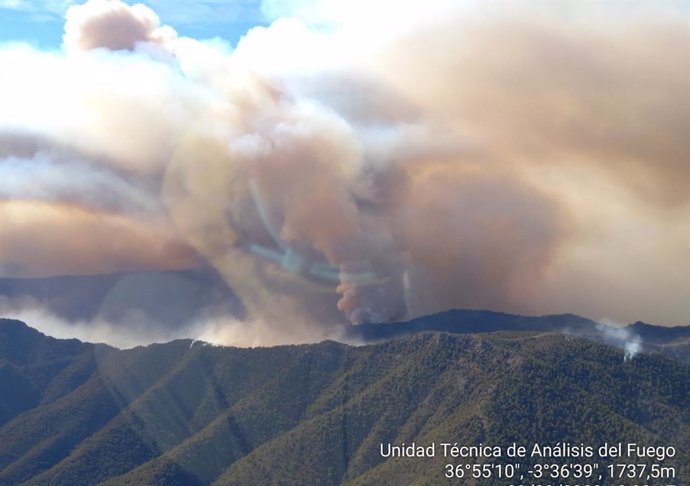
(620, 337)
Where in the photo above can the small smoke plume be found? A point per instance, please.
(348, 163)
(620, 337)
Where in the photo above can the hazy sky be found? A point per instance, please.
(378, 159)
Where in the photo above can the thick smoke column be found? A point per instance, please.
(348, 162)
(303, 160)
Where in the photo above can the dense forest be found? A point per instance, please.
(191, 413)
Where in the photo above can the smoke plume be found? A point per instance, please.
(621, 337)
(368, 161)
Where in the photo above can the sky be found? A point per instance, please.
(360, 161)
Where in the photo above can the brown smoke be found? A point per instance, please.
(529, 158)
(114, 25)
(543, 91)
(53, 239)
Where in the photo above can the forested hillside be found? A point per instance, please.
(190, 413)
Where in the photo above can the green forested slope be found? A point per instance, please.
(188, 413)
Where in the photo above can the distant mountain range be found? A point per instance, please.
(189, 413)
(673, 342)
(173, 298)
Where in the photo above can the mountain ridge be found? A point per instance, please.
(673, 342)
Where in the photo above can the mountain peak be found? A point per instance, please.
(13, 328)
(20, 343)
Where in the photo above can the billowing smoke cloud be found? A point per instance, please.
(114, 25)
(529, 158)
